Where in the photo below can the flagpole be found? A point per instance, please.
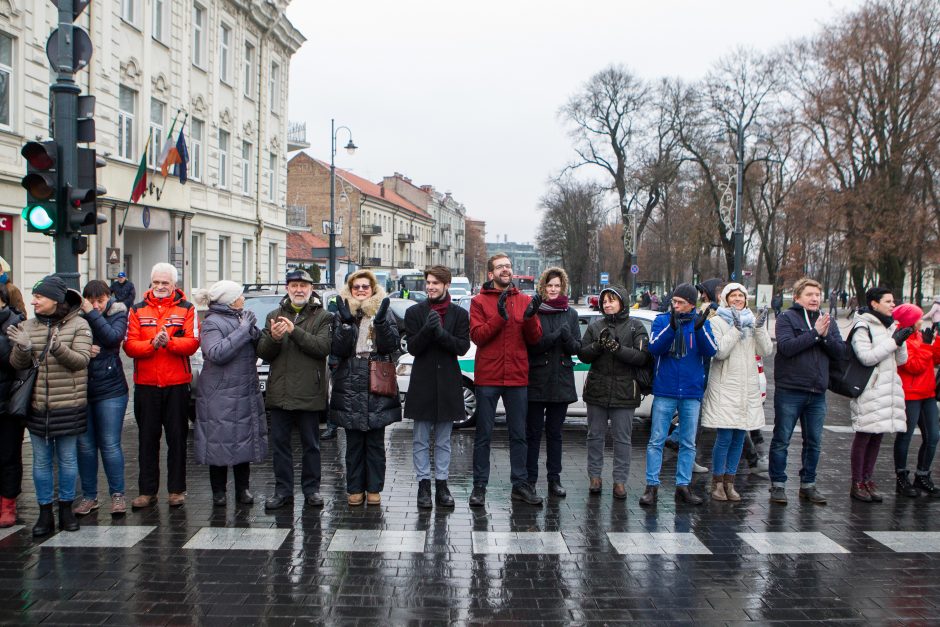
(182, 126)
(130, 198)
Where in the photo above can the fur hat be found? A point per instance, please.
(222, 292)
(686, 292)
(731, 287)
(907, 314)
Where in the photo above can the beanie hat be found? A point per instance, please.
(731, 287)
(222, 292)
(52, 287)
(907, 314)
(686, 292)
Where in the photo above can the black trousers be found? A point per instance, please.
(282, 424)
(218, 477)
(11, 457)
(157, 410)
(547, 417)
(365, 461)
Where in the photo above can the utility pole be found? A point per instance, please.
(738, 201)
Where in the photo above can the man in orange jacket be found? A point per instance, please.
(161, 335)
(502, 322)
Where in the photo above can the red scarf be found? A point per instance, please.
(440, 306)
(554, 305)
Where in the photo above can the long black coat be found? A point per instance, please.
(551, 369)
(436, 390)
(8, 317)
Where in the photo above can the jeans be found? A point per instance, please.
(105, 422)
(726, 454)
(664, 408)
(421, 448)
(160, 410)
(547, 417)
(790, 407)
(515, 402)
(621, 421)
(218, 477)
(11, 457)
(865, 447)
(282, 424)
(923, 414)
(65, 450)
(365, 460)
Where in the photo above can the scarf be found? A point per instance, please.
(745, 315)
(679, 347)
(887, 321)
(440, 306)
(554, 305)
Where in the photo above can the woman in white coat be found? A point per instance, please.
(877, 340)
(733, 403)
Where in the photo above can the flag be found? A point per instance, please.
(166, 150)
(140, 181)
(180, 169)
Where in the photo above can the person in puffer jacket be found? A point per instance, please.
(107, 400)
(11, 431)
(363, 333)
(878, 341)
(920, 403)
(59, 339)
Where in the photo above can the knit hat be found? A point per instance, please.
(907, 314)
(686, 292)
(52, 287)
(222, 292)
(731, 287)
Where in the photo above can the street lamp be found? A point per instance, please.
(351, 149)
(739, 197)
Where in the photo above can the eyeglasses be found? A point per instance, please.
(503, 266)
(359, 288)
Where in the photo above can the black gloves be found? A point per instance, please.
(433, 324)
(342, 308)
(565, 334)
(700, 320)
(927, 335)
(501, 304)
(533, 307)
(381, 313)
(902, 334)
(674, 321)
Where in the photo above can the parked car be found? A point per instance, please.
(457, 292)
(397, 308)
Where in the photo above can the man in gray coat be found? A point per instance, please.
(296, 342)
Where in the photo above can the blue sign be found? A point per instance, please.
(605, 278)
(634, 269)
(145, 217)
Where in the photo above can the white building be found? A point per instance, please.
(220, 64)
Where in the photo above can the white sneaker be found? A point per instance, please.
(763, 464)
(696, 468)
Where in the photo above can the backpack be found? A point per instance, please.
(848, 376)
(644, 375)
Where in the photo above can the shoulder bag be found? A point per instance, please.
(21, 390)
(382, 381)
(848, 376)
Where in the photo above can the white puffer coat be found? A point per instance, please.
(880, 408)
(732, 396)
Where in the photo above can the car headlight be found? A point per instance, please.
(403, 370)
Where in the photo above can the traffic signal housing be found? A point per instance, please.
(83, 208)
(41, 184)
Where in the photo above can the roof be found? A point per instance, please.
(299, 244)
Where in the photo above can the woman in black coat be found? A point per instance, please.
(11, 431)
(551, 377)
(363, 333)
(438, 332)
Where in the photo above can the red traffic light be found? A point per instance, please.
(40, 155)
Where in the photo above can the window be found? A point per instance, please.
(248, 261)
(197, 131)
(249, 80)
(157, 112)
(223, 159)
(275, 86)
(6, 75)
(129, 11)
(159, 18)
(225, 40)
(272, 178)
(225, 257)
(198, 263)
(272, 263)
(199, 36)
(246, 168)
(126, 106)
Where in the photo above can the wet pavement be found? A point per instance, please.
(581, 559)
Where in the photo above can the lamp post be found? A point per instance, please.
(738, 200)
(351, 149)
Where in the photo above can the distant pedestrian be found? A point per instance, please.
(776, 303)
(438, 333)
(853, 306)
(843, 298)
(879, 341)
(551, 378)
(231, 427)
(107, 400)
(933, 316)
(364, 334)
(123, 290)
(11, 431)
(834, 303)
(616, 346)
(16, 302)
(654, 302)
(59, 339)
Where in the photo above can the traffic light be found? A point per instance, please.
(83, 209)
(41, 184)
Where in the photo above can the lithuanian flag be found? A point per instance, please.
(140, 181)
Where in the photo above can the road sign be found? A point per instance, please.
(114, 261)
(634, 269)
(605, 278)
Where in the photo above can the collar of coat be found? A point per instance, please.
(368, 306)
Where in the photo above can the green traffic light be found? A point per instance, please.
(38, 218)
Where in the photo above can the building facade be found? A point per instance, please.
(526, 258)
(219, 69)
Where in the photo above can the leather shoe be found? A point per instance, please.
(244, 497)
(596, 485)
(812, 495)
(556, 489)
(524, 492)
(175, 499)
(314, 500)
(329, 433)
(442, 495)
(478, 496)
(685, 495)
(278, 501)
(144, 500)
(650, 496)
(620, 491)
(424, 494)
(218, 499)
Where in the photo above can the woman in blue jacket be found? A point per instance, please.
(107, 400)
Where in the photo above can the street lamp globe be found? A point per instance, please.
(351, 147)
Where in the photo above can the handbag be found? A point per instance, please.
(21, 390)
(848, 376)
(382, 381)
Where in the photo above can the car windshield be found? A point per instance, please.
(261, 306)
(400, 306)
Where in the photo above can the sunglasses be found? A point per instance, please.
(361, 287)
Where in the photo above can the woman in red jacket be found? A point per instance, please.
(917, 376)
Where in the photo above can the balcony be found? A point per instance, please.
(406, 238)
(459, 232)
(432, 244)
(409, 265)
(297, 216)
(371, 261)
(459, 251)
(445, 247)
(297, 136)
(445, 227)
(368, 230)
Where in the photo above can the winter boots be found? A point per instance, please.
(7, 512)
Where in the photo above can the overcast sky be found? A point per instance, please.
(465, 96)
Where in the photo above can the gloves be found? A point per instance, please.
(927, 335)
(611, 345)
(54, 343)
(761, 317)
(533, 307)
(342, 308)
(501, 304)
(700, 320)
(20, 336)
(735, 318)
(674, 322)
(382, 312)
(248, 318)
(565, 334)
(902, 334)
(433, 323)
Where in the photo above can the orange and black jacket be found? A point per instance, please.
(168, 365)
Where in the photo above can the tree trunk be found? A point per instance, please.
(891, 273)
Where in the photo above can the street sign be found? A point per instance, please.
(81, 49)
(765, 292)
(6, 222)
(605, 278)
(634, 269)
(114, 261)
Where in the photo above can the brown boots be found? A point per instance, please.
(723, 488)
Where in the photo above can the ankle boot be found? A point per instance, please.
(684, 494)
(925, 484)
(7, 512)
(904, 486)
(424, 494)
(650, 496)
(67, 519)
(718, 488)
(730, 492)
(46, 523)
(859, 492)
(442, 494)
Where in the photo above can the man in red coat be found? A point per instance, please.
(502, 322)
(161, 335)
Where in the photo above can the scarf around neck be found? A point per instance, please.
(440, 306)
(745, 315)
(554, 305)
(679, 347)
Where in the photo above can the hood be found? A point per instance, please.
(544, 279)
(621, 294)
(709, 288)
(368, 306)
(115, 307)
(730, 287)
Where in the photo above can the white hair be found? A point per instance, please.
(165, 268)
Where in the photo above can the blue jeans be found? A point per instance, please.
(726, 454)
(809, 409)
(64, 448)
(421, 448)
(664, 408)
(515, 401)
(105, 422)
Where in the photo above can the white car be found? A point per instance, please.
(578, 408)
